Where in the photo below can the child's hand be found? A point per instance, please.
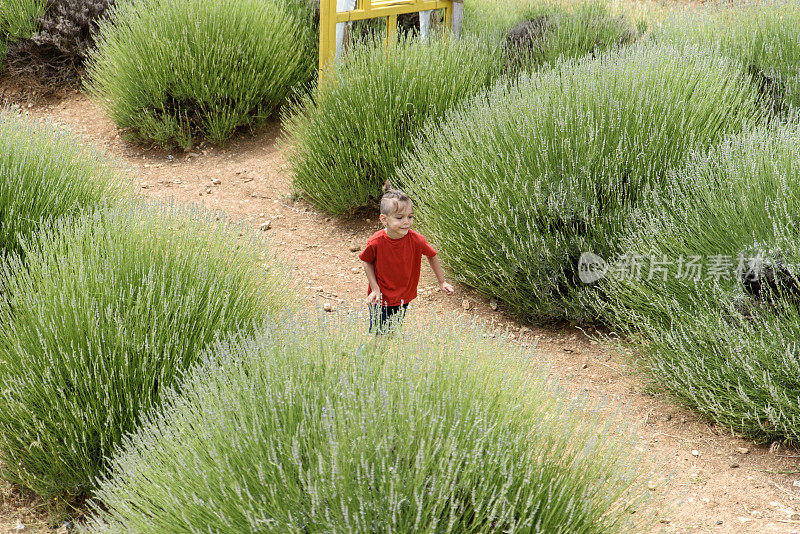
(374, 298)
(447, 288)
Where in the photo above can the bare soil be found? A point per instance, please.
(703, 478)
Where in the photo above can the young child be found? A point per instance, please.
(392, 260)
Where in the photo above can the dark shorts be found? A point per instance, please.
(383, 319)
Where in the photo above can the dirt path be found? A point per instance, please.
(706, 480)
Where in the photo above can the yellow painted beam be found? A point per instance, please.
(391, 29)
(377, 11)
(368, 9)
(327, 34)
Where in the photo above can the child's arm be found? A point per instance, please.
(437, 270)
(375, 295)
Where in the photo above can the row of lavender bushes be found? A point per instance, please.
(195, 82)
(219, 67)
(521, 181)
(715, 304)
(623, 157)
(688, 203)
(166, 72)
(347, 137)
(151, 360)
(105, 301)
(576, 209)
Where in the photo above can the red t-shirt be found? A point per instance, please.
(397, 264)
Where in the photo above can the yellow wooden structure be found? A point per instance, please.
(369, 9)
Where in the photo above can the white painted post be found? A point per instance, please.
(458, 14)
(342, 5)
(424, 24)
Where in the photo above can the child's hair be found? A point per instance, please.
(391, 198)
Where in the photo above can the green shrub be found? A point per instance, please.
(46, 173)
(303, 428)
(761, 36)
(515, 186)
(496, 17)
(17, 19)
(729, 352)
(108, 310)
(540, 32)
(211, 68)
(346, 139)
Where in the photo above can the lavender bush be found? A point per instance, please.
(345, 140)
(517, 184)
(214, 67)
(538, 33)
(761, 36)
(715, 298)
(47, 173)
(309, 427)
(106, 311)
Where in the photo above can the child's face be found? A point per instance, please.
(399, 222)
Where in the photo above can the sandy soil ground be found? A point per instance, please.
(703, 478)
